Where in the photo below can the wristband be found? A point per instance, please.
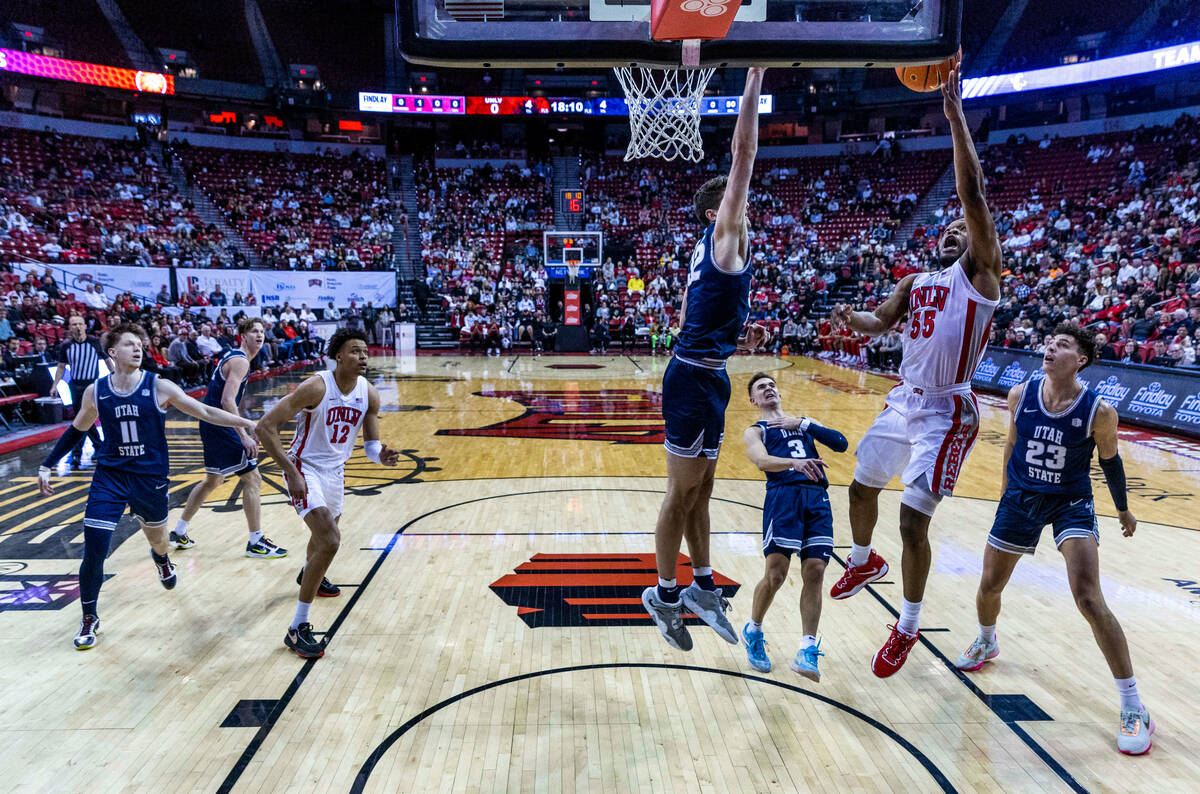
(1114, 475)
(44, 473)
(804, 423)
(372, 449)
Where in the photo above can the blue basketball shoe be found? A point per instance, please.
(805, 662)
(756, 649)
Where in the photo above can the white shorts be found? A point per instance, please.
(918, 435)
(326, 488)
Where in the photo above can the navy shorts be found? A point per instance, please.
(113, 490)
(797, 518)
(223, 451)
(693, 408)
(1021, 516)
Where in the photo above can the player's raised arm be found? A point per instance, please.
(1104, 431)
(878, 322)
(968, 178)
(169, 393)
(306, 397)
(375, 450)
(730, 236)
(74, 434)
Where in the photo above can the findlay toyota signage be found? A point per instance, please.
(1163, 398)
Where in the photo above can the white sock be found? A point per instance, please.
(666, 584)
(910, 614)
(987, 633)
(808, 641)
(702, 572)
(1127, 689)
(255, 537)
(181, 527)
(859, 554)
(301, 614)
(754, 627)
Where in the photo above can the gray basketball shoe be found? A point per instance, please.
(669, 618)
(710, 606)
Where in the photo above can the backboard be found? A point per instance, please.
(604, 33)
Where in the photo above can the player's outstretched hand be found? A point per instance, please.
(297, 487)
(840, 316)
(388, 457)
(44, 486)
(786, 422)
(952, 94)
(250, 444)
(1128, 523)
(757, 71)
(755, 336)
(812, 468)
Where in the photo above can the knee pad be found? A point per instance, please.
(920, 497)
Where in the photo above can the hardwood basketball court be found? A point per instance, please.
(489, 635)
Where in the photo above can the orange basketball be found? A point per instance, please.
(928, 78)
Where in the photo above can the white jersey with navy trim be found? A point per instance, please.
(325, 434)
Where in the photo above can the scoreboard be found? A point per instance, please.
(571, 202)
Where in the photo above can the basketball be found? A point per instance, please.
(928, 78)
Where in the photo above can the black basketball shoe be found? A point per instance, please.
(303, 643)
(327, 589)
(166, 571)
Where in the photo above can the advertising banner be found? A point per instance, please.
(1168, 399)
(143, 282)
(317, 288)
(83, 72)
(1084, 72)
(207, 279)
(572, 307)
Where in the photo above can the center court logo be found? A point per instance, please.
(987, 370)
(1013, 374)
(590, 589)
(619, 416)
(1189, 410)
(1152, 400)
(1112, 391)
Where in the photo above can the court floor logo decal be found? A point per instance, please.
(590, 589)
(619, 416)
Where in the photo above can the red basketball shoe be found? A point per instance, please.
(890, 658)
(857, 577)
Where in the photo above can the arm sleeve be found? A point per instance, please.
(1114, 475)
(65, 443)
(827, 436)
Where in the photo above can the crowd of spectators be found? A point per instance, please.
(1102, 230)
(68, 198)
(186, 340)
(326, 211)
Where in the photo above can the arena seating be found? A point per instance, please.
(302, 211)
(70, 198)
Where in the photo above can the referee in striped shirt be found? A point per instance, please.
(83, 354)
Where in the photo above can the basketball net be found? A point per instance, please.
(572, 271)
(664, 108)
